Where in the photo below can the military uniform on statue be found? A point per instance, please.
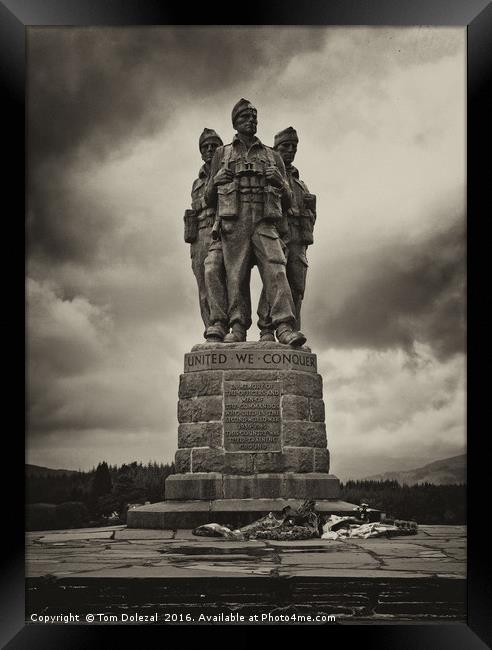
(296, 232)
(249, 188)
(199, 222)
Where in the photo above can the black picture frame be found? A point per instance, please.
(15, 16)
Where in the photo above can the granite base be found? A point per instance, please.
(289, 485)
(172, 515)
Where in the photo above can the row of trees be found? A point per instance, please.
(92, 498)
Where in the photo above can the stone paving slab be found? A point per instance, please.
(54, 569)
(253, 547)
(64, 531)
(349, 572)
(350, 559)
(146, 534)
(165, 570)
(426, 566)
(307, 543)
(60, 538)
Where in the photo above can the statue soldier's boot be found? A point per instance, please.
(267, 335)
(237, 335)
(289, 336)
(215, 333)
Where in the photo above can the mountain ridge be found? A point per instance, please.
(38, 470)
(446, 471)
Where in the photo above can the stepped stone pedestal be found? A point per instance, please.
(251, 438)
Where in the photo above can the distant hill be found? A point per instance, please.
(440, 472)
(35, 471)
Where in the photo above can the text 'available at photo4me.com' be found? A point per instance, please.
(181, 618)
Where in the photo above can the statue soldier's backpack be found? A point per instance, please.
(190, 226)
(308, 218)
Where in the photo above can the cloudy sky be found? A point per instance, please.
(114, 117)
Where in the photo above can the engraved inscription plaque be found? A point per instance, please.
(250, 359)
(252, 416)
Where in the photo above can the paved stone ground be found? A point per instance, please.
(419, 577)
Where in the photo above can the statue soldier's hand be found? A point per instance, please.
(274, 177)
(223, 176)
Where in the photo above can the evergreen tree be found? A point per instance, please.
(101, 483)
(125, 489)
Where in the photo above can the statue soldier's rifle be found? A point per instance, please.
(216, 228)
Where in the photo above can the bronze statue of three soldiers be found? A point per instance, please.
(249, 207)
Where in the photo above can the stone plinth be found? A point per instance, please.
(214, 485)
(172, 515)
(251, 427)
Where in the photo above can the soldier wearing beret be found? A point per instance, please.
(198, 232)
(297, 233)
(249, 187)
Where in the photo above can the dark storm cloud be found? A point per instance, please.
(79, 378)
(405, 46)
(409, 292)
(98, 86)
(92, 92)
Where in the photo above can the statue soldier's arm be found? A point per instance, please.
(191, 218)
(194, 204)
(211, 191)
(286, 191)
